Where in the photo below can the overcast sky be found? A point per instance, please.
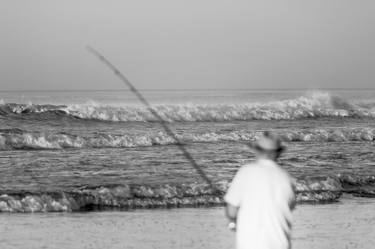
(192, 44)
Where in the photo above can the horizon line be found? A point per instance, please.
(187, 89)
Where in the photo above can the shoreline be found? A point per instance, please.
(347, 223)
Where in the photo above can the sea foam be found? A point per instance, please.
(317, 190)
(313, 105)
(17, 139)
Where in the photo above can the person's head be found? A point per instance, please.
(268, 146)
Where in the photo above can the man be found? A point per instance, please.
(261, 198)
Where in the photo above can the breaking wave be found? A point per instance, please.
(317, 190)
(11, 139)
(314, 105)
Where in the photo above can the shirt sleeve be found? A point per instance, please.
(234, 193)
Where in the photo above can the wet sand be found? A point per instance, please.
(349, 223)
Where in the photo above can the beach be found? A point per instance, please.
(346, 224)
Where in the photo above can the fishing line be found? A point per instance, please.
(163, 123)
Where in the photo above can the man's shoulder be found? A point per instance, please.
(251, 168)
(265, 167)
(258, 165)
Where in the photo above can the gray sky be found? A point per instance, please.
(190, 44)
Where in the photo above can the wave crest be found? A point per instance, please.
(317, 104)
(17, 139)
(314, 105)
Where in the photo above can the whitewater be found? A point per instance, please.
(84, 150)
(315, 105)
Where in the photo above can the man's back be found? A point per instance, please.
(263, 191)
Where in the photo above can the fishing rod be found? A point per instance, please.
(163, 123)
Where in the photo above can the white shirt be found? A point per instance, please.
(263, 192)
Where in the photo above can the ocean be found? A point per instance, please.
(69, 151)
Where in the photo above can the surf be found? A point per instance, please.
(311, 105)
(308, 190)
(17, 139)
